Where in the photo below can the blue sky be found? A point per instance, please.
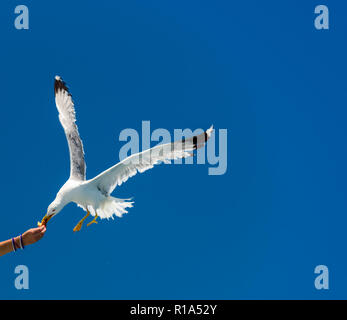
(259, 69)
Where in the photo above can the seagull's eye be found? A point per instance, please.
(53, 210)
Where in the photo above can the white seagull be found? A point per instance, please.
(94, 195)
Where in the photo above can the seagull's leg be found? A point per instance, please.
(79, 225)
(94, 220)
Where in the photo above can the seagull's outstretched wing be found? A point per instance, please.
(140, 162)
(67, 118)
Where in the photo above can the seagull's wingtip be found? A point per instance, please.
(57, 78)
(209, 131)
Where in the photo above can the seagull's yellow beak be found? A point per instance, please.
(44, 221)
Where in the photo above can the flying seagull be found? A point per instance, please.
(94, 195)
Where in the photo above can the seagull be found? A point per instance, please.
(94, 195)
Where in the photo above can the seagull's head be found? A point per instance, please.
(54, 208)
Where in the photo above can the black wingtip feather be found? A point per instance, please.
(195, 141)
(59, 84)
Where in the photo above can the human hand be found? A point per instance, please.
(33, 235)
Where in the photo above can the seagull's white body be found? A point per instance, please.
(87, 196)
(94, 195)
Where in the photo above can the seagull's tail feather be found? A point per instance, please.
(113, 206)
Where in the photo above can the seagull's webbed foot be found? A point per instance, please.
(79, 225)
(93, 221)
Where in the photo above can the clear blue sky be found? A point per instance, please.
(257, 68)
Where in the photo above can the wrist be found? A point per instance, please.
(24, 240)
(18, 243)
